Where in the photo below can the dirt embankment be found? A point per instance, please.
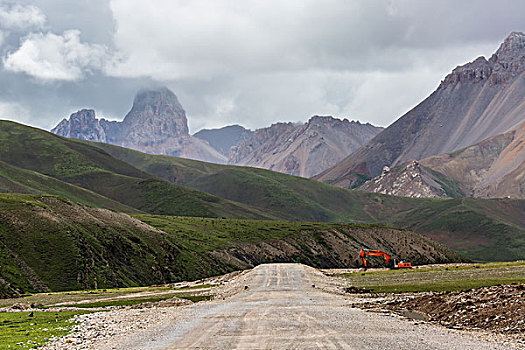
(500, 309)
(337, 247)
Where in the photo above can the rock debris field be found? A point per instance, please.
(499, 309)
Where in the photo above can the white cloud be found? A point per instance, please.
(51, 57)
(256, 62)
(181, 39)
(21, 17)
(199, 39)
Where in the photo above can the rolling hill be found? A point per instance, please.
(113, 176)
(77, 164)
(499, 223)
(52, 244)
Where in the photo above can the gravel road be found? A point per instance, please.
(287, 306)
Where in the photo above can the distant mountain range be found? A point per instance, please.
(302, 150)
(225, 138)
(157, 124)
(465, 138)
(102, 175)
(474, 103)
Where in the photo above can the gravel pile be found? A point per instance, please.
(500, 309)
(95, 327)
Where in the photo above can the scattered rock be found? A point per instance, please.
(353, 290)
(500, 309)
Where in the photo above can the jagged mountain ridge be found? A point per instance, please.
(478, 100)
(493, 168)
(156, 124)
(302, 150)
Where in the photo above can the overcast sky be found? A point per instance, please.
(240, 62)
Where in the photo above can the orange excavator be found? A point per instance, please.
(390, 262)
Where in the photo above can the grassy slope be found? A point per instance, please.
(90, 167)
(17, 327)
(481, 229)
(427, 279)
(17, 180)
(484, 230)
(50, 243)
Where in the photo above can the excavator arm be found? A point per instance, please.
(374, 252)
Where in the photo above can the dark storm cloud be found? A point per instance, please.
(250, 62)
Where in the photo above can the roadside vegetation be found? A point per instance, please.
(108, 297)
(437, 279)
(19, 330)
(30, 328)
(23, 326)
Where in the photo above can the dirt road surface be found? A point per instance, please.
(285, 306)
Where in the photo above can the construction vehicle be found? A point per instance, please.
(390, 262)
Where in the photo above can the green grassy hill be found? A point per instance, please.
(76, 164)
(482, 229)
(125, 180)
(51, 243)
(16, 180)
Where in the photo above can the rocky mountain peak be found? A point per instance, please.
(157, 111)
(321, 119)
(513, 48)
(478, 100)
(84, 115)
(82, 125)
(155, 124)
(302, 149)
(506, 63)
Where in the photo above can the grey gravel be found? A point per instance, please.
(286, 306)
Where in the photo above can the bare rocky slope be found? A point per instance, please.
(493, 168)
(478, 100)
(409, 180)
(155, 124)
(302, 150)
